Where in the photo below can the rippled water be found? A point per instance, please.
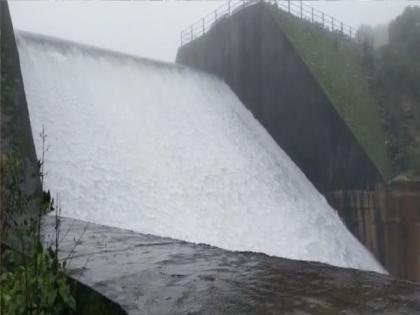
(146, 274)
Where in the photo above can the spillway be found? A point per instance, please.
(167, 150)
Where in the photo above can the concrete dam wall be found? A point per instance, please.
(258, 61)
(306, 86)
(166, 150)
(124, 272)
(16, 134)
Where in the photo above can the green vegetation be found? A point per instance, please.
(35, 285)
(397, 86)
(341, 68)
(31, 278)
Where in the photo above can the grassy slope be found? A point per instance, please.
(336, 64)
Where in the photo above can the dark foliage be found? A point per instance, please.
(397, 84)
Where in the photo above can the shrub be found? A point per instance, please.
(32, 281)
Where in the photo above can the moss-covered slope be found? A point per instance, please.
(336, 64)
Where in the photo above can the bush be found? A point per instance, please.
(32, 281)
(37, 287)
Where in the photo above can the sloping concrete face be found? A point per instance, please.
(253, 55)
(197, 165)
(16, 134)
(146, 274)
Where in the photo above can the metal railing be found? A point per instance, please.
(297, 8)
(205, 23)
(313, 15)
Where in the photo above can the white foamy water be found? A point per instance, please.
(170, 151)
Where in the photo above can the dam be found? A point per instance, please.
(174, 198)
(166, 150)
(293, 65)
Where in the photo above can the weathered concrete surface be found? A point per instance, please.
(387, 221)
(402, 216)
(146, 274)
(16, 133)
(257, 60)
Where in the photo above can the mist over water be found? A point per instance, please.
(166, 150)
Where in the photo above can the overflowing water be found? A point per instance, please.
(163, 149)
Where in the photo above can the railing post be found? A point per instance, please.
(323, 20)
(301, 12)
(341, 28)
(312, 12)
(350, 31)
(192, 33)
(229, 8)
(203, 26)
(215, 15)
(181, 39)
(288, 5)
(332, 24)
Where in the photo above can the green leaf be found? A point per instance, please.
(52, 296)
(72, 303)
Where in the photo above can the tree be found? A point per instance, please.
(397, 81)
